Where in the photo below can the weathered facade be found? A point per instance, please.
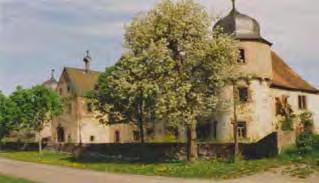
(265, 79)
(79, 124)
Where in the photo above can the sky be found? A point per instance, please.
(39, 35)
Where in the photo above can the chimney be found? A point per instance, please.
(87, 60)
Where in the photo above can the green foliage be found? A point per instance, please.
(35, 106)
(306, 119)
(172, 71)
(305, 143)
(7, 112)
(287, 123)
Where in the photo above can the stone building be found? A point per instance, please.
(79, 124)
(267, 79)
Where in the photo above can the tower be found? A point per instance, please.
(253, 90)
(52, 82)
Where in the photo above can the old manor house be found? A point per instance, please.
(273, 84)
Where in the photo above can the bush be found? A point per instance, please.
(305, 143)
(306, 120)
(287, 123)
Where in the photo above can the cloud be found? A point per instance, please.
(37, 35)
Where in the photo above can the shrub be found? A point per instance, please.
(287, 123)
(306, 120)
(305, 143)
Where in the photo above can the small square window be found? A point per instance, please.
(242, 129)
(242, 57)
(243, 94)
(302, 102)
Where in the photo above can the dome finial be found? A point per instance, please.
(234, 4)
(52, 74)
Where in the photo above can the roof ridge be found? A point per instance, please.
(79, 69)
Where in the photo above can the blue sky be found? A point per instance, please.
(38, 35)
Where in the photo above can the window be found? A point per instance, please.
(69, 88)
(278, 106)
(92, 138)
(117, 137)
(242, 129)
(60, 133)
(302, 102)
(243, 94)
(203, 131)
(136, 135)
(89, 107)
(242, 58)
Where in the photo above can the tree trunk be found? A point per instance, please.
(141, 127)
(191, 142)
(40, 143)
(141, 120)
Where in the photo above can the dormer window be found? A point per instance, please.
(242, 57)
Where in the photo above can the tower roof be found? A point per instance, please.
(242, 26)
(52, 82)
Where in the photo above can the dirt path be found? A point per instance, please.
(55, 174)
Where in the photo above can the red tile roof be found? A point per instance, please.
(284, 77)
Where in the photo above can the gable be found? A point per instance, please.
(80, 81)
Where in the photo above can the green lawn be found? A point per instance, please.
(300, 166)
(6, 179)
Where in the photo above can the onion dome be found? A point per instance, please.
(52, 83)
(241, 26)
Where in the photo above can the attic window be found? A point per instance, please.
(242, 57)
(302, 102)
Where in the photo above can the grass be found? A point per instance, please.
(6, 179)
(201, 169)
(295, 165)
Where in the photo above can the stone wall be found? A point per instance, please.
(266, 147)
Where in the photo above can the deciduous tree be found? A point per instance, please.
(173, 68)
(36, 107)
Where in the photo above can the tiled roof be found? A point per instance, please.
(284, 77)
(81, 81)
